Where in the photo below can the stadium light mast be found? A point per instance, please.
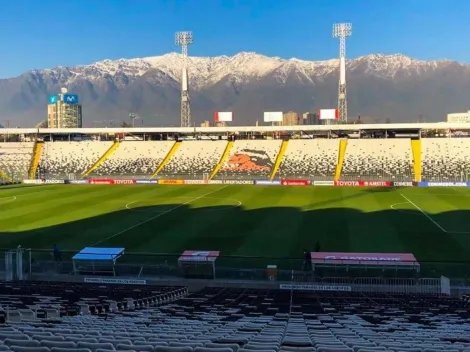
(341, 31)
(184, 39)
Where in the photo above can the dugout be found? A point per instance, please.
(361, 263)
(97, 261)
(198, 264)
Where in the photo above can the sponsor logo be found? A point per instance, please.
(362, 183)
(402, 184)
(237, 182)
(146, 181)
(195, 182)
(171, 182)
(53, 99)
(447, 184)
(314, 287)
(295, 182)
(124, 182)
(40, 182)
(70, 98)
(100, 181)
(347, 183)
(267, 183)
(378, 259)
(78, 182)
(215, 182)
(102, 280)
(323, 183)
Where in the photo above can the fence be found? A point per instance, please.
(241, 268)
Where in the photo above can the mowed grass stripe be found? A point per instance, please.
(171, 215)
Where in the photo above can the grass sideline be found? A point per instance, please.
(255, 221)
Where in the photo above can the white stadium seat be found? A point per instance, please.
(378, 159)
(15, 159)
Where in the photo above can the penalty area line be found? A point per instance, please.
(422, 212)
(156, 216)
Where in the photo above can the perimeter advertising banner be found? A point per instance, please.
(363, 258)
(295, 182)
(314, 287)
(402, 184)
(267, 183)
(199, 256)
(443, 184)
(195, 182)
(146, 182)
(101, 181)
(43, 181)
(362, 184)
(171, 182)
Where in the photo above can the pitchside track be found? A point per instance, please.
(255, 221)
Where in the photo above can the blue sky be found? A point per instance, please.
(43, 34)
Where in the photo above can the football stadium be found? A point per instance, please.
(226, 239)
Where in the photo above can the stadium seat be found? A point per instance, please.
(378, 159)
(250, 159)
(135, 159)
(445, 159)
(15, 159)
(313, 159)
(194, 159)
(61, 160)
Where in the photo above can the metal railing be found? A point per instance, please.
(249, 268)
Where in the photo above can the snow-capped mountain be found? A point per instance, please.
(393, 87)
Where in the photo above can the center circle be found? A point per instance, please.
(167, 204)
(5, 200)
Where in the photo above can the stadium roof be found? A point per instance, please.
(209, 130)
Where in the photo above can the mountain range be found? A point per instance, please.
(381, 88)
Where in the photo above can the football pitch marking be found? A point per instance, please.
(236, 204)
(156, 216)
(7, 200)
(428, 217)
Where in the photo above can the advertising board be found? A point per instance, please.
(101, 181)
(215, 182)
(146, 182)
(401, 184)
(105, 280)
(362, 183)
(323, 183)
(267, 183)
(171, 182)
(199, 256)
(443, 184)
(43, 181)
(363, 258)
(77, 182)
(237, 182)
(272, 116)
(53, 99)
(70, 98)
(124, 182)
(328, 114)
(295, 182)
(195, 182)
(314, 287)
(223, 116)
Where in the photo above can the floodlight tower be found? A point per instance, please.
(341, 31)
(184, 39)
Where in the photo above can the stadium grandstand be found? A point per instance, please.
(194, 250)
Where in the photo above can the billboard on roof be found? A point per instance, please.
(329, 114)
(273, 116)
(223, 116)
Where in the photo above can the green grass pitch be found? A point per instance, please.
(254, 221)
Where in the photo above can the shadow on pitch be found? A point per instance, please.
(253, 236)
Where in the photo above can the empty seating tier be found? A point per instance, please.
(135, 158)
(194, 159)
(445, 159)
(15, 159)
(63, 159)
(250, 159)
(312, 159)
(378, 159)
(248, 320)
